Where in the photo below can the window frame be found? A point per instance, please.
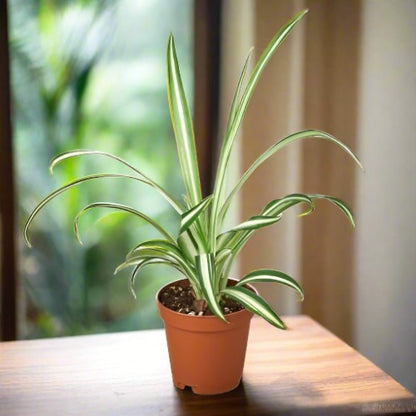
(8, 276)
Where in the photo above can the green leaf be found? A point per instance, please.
(237, 91)
(168, 251)
(182, 125)
(150, 255)
(138, 268)
(64, 188)
(205, 270)
(124, 208)
(234, 125)
(82, 152)
(274, 276)
(188, 246)
(223, 262)
(140, 263)
(160, 245)
(222, 257)
(236, 239)
(256, 222)
(254, 303)
(306, 134)
(278, 206)
(190, 216)
(158, 257)
(338, 203)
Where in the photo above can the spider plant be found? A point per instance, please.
(203, 251)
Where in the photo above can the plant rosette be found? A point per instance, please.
(203, 251)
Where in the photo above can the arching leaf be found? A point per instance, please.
(271, 276)
(255, 304)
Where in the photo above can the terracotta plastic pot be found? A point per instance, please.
(205, 353)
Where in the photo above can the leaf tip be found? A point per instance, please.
(26, 235)
(133, 293)
(306, 213)
(76, 231)
(171, 41)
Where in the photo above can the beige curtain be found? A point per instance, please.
(310, 83)
(348, 68)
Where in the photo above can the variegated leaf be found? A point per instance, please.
(182, 125)
(271, 276)
(124, 208)
(64, 188)
(205, 269)
(82, 152)
(255, 304)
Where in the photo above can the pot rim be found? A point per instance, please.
(206, 317)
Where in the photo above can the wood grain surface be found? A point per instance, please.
(303, 371)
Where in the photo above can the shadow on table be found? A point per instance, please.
(232, 403)
(283, 397)
(247, 399)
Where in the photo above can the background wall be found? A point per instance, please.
(385, 237)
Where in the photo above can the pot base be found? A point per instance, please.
(206, 390)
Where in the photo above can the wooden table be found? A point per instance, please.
(303, 371)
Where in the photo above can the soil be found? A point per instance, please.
(182, 299)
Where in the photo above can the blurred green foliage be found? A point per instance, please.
(90, 74)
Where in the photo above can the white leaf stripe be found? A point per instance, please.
(190, 216)
(237, 91)
(165, 249)
(239, 235)
(81, 152)
(222, 256)
(124, 208)
(64, 188)
(256, 222)
(182, 125)
(305, 134)
(270, 276)
(158, 244)
(137, 261)
(188, 246)
(168, 251)
(232, 131)
(338, 203)
(222, 262)
(140, 266)
(277, 206)
(204, 265)
(255, 304)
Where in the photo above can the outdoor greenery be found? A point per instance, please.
(201, 249)
(91, 74)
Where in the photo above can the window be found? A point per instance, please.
(91, 75)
